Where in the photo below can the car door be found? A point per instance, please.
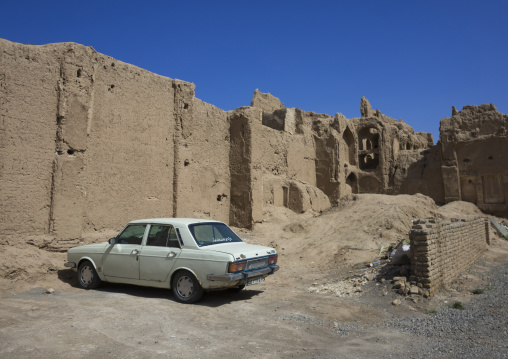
(158, 256)
(122, 259)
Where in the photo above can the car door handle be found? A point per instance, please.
(135, 251)
(171, 254)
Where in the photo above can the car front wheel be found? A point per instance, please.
(87, 276)
(186, 287)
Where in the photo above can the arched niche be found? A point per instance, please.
(349, 139)
(351, 184)
(368, 185)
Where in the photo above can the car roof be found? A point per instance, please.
(174, 221)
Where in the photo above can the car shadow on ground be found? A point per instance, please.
(210, 299)
(68, 276)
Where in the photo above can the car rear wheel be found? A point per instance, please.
(87, 276)
(186, 287)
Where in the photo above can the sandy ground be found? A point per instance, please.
(319, 305)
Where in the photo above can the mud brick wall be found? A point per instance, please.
(442, 249)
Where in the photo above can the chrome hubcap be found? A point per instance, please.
(185, 287)
(86, 275)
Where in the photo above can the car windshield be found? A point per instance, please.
(206, 234)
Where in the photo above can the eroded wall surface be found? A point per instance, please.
(28, 104)
(88, 143)
(474, 151)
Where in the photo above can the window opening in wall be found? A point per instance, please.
(368, 154)
(285, 196)
(369, 161)
(368, 138)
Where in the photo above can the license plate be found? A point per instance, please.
(257, 263)
(256, 281)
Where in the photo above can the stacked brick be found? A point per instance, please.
(442, 249)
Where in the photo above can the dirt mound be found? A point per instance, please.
(23, 266)
(460, 209)
(357, 230)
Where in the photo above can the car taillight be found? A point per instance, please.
(237, 266)
(273, 259)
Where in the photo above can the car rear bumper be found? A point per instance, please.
(244, 276)
(70, 265)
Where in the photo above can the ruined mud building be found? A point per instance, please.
(88, 142)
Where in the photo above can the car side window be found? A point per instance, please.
(133, 234)
(158, 235)
(173, 239)
(162, 236)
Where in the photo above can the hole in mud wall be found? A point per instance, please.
(368, 138)
(368, 185)
(467, 160)
(350, 143)
(221, 196)
(79, 73)
(491, 157)
(185, 106)
(186, 163)
(351, 184)
(369, 161)
(408, 146)
(70, 152)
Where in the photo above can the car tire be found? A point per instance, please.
(87, 276)
(186, 287)
(236, 289)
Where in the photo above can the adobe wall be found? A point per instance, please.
(474, 151)
(88, 143)
(202, 167)
(442, 249)
(28, 103)
(114, 144)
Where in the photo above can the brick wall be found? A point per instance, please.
(442, 249)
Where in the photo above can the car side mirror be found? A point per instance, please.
(112, 240)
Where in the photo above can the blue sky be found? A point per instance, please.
(412, 59)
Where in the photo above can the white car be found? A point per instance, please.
(188, 255)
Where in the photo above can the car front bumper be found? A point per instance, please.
(243, 276)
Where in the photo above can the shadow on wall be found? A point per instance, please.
(420, 174)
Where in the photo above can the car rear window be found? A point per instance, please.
(206, 234)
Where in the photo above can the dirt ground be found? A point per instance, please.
(321, 304)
